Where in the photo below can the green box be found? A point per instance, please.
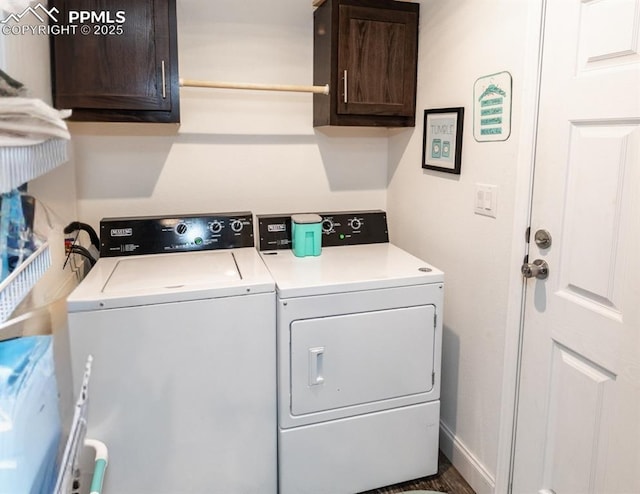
(306, 235)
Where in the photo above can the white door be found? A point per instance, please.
(578, 427)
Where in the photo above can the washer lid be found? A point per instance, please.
(170, 272)
(347, 269)
(165, 278)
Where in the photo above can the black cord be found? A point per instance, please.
(78, 249)
(76, 225)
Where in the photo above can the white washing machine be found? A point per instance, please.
(359, 333)
(180, 323)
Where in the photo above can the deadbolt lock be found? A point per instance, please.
(542, 239)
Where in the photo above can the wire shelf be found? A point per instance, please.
(20, 282)
(19, 164)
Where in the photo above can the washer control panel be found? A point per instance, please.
(182, 233)
(339, 228)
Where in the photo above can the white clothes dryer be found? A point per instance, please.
(359, 333)
(180, 324)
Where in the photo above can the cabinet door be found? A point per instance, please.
(377, 61)
(118, 68)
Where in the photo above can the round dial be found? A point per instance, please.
(356, 224)
(327, 225)
(181, 228)
(215, 226)
(236, 225)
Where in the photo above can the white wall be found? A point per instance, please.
(234, 150)
(26, 59)
(431, 214)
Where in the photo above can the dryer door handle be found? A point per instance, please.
(316, 366)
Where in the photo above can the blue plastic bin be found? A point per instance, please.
(30, 426)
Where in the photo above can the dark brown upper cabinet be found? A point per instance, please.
(366, 50)
(121, 65)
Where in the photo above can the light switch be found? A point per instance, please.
(486, 200)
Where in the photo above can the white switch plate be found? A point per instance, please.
(486, 200)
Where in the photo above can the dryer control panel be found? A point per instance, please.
(181, 233)
(338, 228)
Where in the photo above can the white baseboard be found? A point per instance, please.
(473, 471)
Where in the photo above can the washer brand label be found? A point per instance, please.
(280, 227)
(121, 232)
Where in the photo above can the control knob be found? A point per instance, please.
(327, 225)
(215, 226)
(356, 224)
(236, 226)
(181, 228)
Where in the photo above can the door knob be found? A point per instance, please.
(537, 269)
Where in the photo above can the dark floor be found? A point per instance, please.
(448, 480)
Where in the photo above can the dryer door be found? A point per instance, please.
(352, 359)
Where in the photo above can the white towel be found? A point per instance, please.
(28, 121)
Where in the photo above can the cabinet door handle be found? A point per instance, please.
(345, 85)
(164, 81)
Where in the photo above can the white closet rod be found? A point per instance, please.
(258, 87)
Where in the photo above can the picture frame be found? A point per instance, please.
(442, 139)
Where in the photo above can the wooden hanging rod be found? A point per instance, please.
(258, 87)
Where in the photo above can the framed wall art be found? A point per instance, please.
(442, 140)
(492, 107)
